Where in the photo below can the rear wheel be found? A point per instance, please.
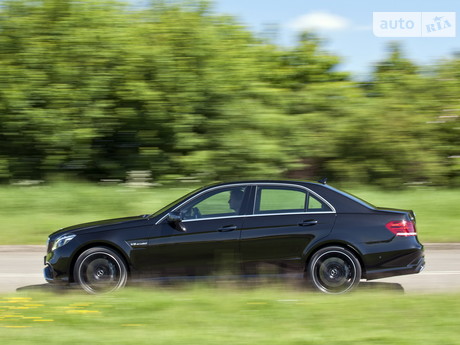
(334, 270)
(99, 270)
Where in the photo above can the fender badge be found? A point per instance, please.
(138, 243)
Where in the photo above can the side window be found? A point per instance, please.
(316, 205)
(280, 200)
(220, 203)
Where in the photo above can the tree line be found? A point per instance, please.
(96, 89)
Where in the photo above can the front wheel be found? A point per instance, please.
(334, 270)
(99, 270)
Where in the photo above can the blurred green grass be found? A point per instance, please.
(29, 214)
(224, 315)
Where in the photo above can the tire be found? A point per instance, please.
(334, 270)
(100, 270)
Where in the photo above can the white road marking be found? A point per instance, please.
(21, 275)
(437, 273)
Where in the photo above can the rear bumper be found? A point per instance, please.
(414, 267)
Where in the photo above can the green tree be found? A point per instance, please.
(98, 88)
(392, 142)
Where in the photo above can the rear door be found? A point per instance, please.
(284, 220)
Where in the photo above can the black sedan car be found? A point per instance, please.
(330, 237)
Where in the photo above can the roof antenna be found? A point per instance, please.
(323, 180)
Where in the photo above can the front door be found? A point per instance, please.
(209, 245)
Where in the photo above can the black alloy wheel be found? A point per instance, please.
(100, 270)
(334, 270)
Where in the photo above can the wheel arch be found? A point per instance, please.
(87, 246)
(343, 244)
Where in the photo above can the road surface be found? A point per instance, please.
(21, 266)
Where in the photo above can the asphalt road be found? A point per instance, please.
(21, 266)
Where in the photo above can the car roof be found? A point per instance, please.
(284, 181)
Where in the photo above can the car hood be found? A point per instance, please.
(102, 225)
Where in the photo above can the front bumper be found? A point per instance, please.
(53, 277)
(48, 273)
(58, 263)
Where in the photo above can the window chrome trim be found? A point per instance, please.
(258, 215)
(257, 185)
(210, 218)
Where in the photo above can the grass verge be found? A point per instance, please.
(229, 316)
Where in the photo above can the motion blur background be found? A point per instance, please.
(99, 95)
(98, 90)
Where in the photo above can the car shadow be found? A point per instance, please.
(48, 288)
(379, 286)
(363, 286)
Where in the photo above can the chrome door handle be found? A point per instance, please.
(309, 222)
(227, 228)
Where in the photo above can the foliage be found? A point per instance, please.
(95, 88)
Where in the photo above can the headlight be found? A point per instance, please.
(62, 240)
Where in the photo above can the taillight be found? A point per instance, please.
(402, 228)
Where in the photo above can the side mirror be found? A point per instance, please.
(175, 220)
